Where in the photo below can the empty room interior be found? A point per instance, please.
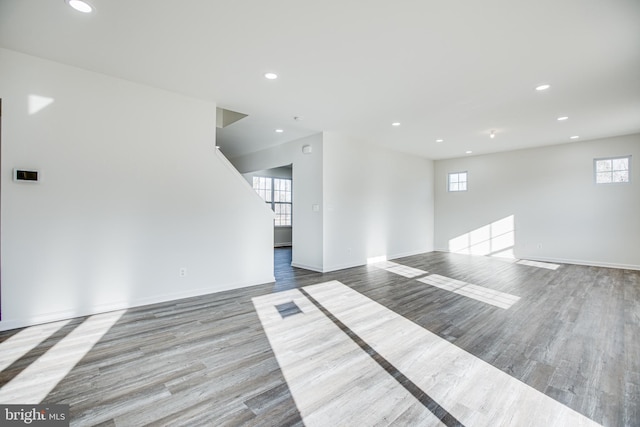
(341, 213)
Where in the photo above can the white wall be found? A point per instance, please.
(377, 203)
(307, 192)
(559, 213)
(132, 189)
(279, 172)
(371, 201)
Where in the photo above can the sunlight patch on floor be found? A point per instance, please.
(402, 270)
(547, 265)
(479, 293)
(33, 384)
(16, 346)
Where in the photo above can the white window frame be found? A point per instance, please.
(466, 181)
(600, 159)
(270, 200)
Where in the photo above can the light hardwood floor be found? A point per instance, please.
(573, 334)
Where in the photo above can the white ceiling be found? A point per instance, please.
(450, 69)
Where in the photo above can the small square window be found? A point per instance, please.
(457, 181)
(612, 170)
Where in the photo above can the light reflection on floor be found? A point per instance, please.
(333, 381)
(35, 382)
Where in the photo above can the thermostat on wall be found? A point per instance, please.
(26, 175)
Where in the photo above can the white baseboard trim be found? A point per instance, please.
(567, 261)
(408, 254)
(343, 267)
(8, 324)
(361, 263)
(307, 267)
(585, 263)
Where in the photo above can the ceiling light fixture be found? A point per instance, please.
(468, 152)
(563, 118)
(80, 6)
(396, 124)
(543, 87)
(279, 130)
(492, 134)
(575, 137)
(439, 140)
(270, 76)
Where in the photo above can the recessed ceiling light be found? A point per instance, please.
(279, 130)
(80, 6)
(563, 118)
(575, 137)
(492, 134)
(468, 152)
(270, 76)
(543, 87)
(396, 124)
(439, 140)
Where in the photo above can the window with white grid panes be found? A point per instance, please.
(263, 186)
(457, 181)
(276, 192)
(612, 170)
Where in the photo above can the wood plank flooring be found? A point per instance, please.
(573, 335)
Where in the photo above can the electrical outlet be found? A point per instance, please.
(182, 272)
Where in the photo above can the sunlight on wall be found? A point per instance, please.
(34, 383)
(496, 239)
(37, 103)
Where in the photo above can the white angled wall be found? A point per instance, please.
(132, 190)
(377, 203)
(559, 213)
